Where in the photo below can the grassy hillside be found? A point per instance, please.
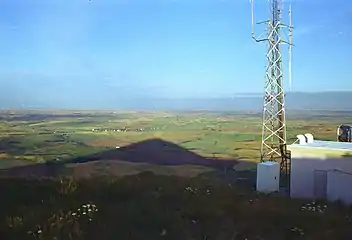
(147, 206)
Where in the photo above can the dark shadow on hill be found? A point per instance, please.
(156, 151)
(148, 155)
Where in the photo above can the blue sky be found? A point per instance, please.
(184, 48)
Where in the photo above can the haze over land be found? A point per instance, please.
(133, 54)
(58, 96)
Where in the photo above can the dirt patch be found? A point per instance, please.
(4, 155)
(107, 143)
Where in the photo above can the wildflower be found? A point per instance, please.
(163, 232)
(297, 230)
(313, 207)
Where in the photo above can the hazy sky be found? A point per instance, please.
(177, 48)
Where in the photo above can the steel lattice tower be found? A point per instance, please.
(273, 146)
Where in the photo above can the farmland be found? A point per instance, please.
(152, 175)
(37, 137)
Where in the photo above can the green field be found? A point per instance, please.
(37, 137)
(184, 199)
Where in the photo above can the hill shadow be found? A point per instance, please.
(156, 151)
(147, 155)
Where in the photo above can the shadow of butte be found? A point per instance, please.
(156, 151)
(152, 151)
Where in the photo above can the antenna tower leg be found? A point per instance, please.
(273, 146)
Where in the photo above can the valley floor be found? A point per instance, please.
(153, 138)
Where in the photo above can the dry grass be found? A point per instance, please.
(4, 155)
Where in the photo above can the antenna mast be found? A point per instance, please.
(290, 49)
(273, 146)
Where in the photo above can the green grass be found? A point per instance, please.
(147, 206)
(205, 133)
(205, 204)
(220, 142)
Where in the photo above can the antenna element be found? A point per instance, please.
(273, 146)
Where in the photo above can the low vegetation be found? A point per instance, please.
(147, 206)
(166, 202)
(45, 136)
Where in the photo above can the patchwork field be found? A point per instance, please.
(63, 136)
(40, 137)
(196, 200)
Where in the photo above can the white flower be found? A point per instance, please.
(163, 232)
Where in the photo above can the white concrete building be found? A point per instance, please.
(321, 169)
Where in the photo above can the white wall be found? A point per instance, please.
(268, 177)
(303, 173)
(339, 186)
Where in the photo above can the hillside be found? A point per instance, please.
(147, 206)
